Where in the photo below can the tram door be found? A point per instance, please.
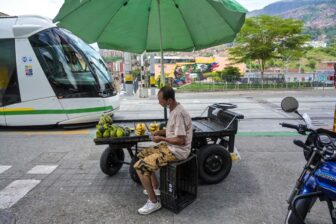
(9, 89)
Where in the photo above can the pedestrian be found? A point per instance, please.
(117, 84)
(174, 144)
(135, 85)
(123, 81)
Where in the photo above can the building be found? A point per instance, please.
(325, 72)
(111, 53)
(326, 65)
(316, 44)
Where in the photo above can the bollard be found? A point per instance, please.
(334, 128)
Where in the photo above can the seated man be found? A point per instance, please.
(175, 145)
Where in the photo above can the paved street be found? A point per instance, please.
(53, 176)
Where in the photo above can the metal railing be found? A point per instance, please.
(220, 86)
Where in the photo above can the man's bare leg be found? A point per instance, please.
(155, 183)
(147, 184)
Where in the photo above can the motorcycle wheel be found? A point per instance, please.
(303, 206)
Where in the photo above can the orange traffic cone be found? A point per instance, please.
(334, 128)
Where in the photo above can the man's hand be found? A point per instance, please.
(179, 140)
(157, 138)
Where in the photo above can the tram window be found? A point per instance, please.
(98, 66)
(9, 87)
(75, 60)
(64, 66)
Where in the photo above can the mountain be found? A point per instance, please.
(319, 16)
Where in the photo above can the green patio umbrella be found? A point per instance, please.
(153, 25)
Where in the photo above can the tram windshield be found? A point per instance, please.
(73, 68)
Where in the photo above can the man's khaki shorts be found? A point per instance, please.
(152, 158)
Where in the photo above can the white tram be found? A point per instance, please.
(48, 76)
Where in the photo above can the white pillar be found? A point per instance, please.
(143, 88)
(152, 74)
(128, 78)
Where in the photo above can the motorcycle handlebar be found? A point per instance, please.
(328, 153)
(286, 125)
(300, 128)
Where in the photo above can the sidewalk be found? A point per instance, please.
(78, 192)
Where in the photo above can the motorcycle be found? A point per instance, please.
(318, 178)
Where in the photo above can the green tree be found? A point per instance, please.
(330, 49)
(230, 73)
(215, 76)
(136, 73)
(265, 37)
(312, 65)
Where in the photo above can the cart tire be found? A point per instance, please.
(214, 163)
(133, 172)
(111, 160)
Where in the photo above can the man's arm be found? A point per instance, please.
(160, 133)
(179, 140)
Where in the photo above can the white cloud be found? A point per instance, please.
(255, 4)
(48, 8)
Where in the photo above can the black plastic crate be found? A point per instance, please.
(178, 184)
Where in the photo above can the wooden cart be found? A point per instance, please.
(213, 141)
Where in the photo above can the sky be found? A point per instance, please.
(49, 8)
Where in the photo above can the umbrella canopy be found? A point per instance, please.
(153, 25)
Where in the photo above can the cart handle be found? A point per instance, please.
(232, 120)
(224, 106)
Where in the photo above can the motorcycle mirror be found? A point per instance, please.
(307, 120)
(289, 104)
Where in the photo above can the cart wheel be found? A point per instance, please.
(132, 171)
(214, 163)
(111, 161)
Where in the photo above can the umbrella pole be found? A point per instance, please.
(161, 51)
(163, 82)
(162, 70)
(163, 79)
